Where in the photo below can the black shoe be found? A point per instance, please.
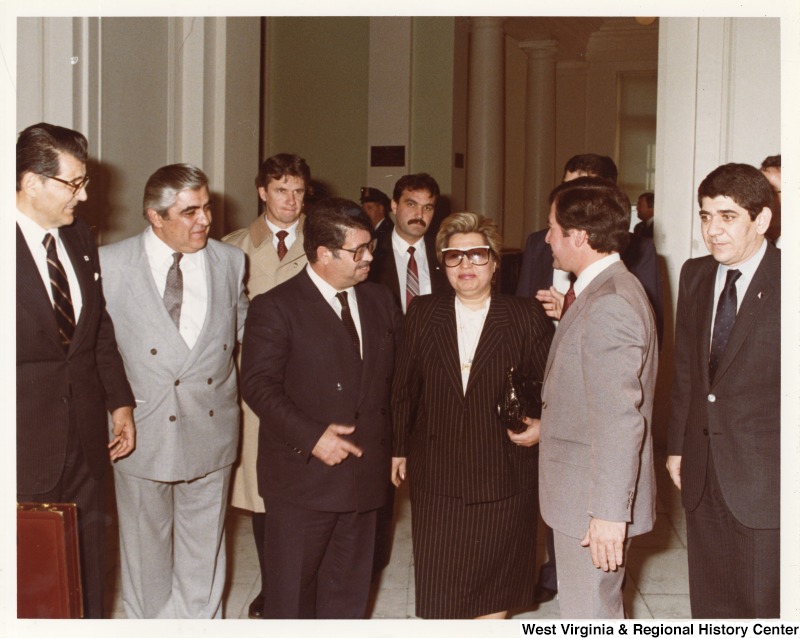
(542, 594)
(256, 608)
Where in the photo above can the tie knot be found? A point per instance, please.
(48, 241)
(731, 277)
(411, 250)
(342, 297)
(282, 234)
(176, 258)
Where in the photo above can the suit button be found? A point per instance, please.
(211, 413)
(210, 381)
(339, 387)
(177, 381)
(705, 432)
(153, 351)
(64, 399)
(173, 418)
(225, 347)
(711, 398)
(356, 415)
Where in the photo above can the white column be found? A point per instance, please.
(540, 138)
(485, 120)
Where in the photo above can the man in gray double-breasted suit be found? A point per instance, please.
(596, 477)
(179, 303)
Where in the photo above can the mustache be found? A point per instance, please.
(419, 221)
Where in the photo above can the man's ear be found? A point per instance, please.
(763, 219)
(31, 184)
(578, 237)
(154, 218)
(262, 194)
(323, 255)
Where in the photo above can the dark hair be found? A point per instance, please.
(773, 161)
(597, 206)
(744, 184)
(282, 165)
(593, 165)
(327, 223)
(649, 198)
(416, 182)
(163, 186)
(38, 147)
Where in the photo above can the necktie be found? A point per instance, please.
(412, 277)
(173, 291)
(569, 297)
(62, 300)
(347, 320)
(282, 249)
(723, 321)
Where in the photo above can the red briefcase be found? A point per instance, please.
(48, 563)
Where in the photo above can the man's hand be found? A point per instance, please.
(124, 441)
(529, 436)
(332, 449)
(552, 302)
(674, 469)
(606, 541)
(398, 470)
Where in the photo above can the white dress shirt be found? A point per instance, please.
(329, 293)
(401, 257)
(591, 271)
(34, 235)
(195, 286)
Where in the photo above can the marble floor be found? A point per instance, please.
(657, 584)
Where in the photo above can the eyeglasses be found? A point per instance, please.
(76, 184)
(358, 251)
(476, 255)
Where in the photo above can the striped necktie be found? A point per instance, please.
(412, 277)
(62, 300)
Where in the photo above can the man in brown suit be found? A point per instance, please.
(596, 478)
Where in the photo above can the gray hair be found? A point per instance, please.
(163, 186)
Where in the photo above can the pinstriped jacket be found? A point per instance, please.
(454, 441)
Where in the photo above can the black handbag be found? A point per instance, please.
(521, 397)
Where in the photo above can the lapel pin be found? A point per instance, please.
(86, 258)
(759, 295)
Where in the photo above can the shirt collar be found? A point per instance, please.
(292, 230)
(33, 233)
(328, 291)
(402, 246)
(594, 269)
(747, 268)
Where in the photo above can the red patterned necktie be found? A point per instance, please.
(282, 249)
(568, 299)
(59, 285)
(412, 277)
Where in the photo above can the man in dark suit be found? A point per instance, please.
(646, 214)
(376, 204)
(538, 278)
(724, 427)
(405, 260)
(317, 366)
(69, 372)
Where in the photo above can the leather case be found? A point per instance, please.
(48, 561)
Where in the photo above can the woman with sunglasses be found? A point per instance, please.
(473, 481)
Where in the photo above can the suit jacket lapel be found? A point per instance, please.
(705, 312)
(31, 293)
(85, 272)
(443, 330)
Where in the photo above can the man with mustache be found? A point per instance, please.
(317, 365)
(405, 260)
